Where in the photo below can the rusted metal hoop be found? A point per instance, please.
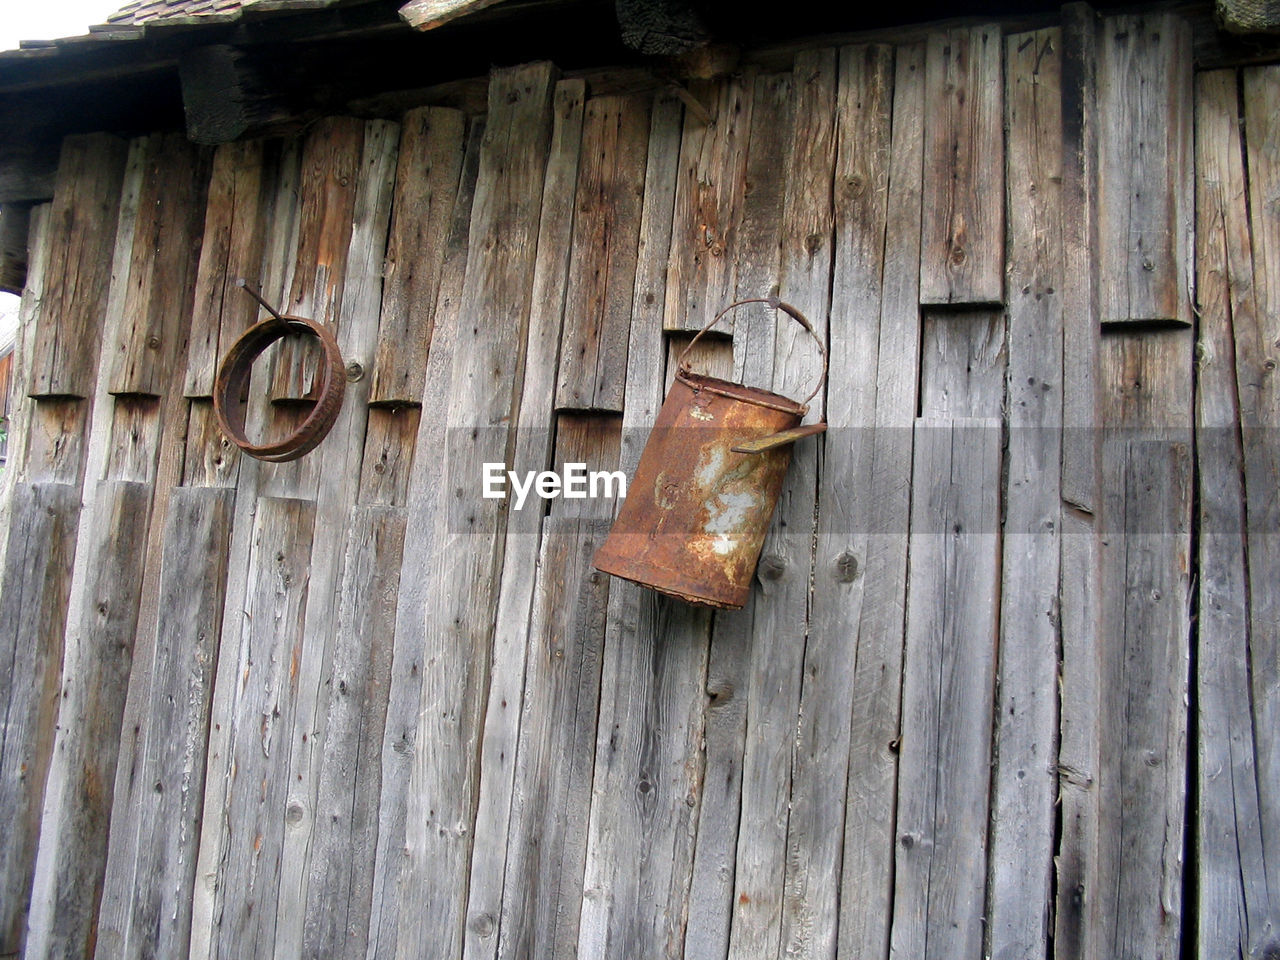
(682, 366)
(231, 389)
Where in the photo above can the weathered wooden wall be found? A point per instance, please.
(1008, 680)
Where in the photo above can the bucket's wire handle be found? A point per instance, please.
(682, 362)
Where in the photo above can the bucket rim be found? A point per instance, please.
(740, 391)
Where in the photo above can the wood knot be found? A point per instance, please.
(482, 925)
(772, 567)
(846, 567)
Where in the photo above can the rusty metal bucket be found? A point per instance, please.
(696, 513)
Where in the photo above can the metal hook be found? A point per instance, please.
(244, 285)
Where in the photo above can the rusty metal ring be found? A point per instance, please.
(231, 389)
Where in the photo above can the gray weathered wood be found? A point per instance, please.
(594, 440)
(1146, 380)
(888, 316)
(266, 645)
(231, 250)
(466, 555)
(1236, 913)
(962, 239)
(552, 792)
(708, 210)
(404, 696)
(1259, 398)
(606, 228)
(1146, 563)
(717, 860)
(162, 272)
(34, 591)
(331, 169)
(1144, 168)
(759, 247)
(135, 438)
(428, 14)
(426, 186)
(155, 865)
(1081, 450)
(96, 662)
(1025, 783)
(388, 455)
(18, 406)
(532, 451)
(962, 363)
(341, 862)
(83, 221)
(333, 480)
(644, 791)
(211, 459)
(948, 690)
(805, 854)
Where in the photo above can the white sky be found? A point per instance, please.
(50, 19)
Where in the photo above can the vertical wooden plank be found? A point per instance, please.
(166, 243)
(1257, 342)
(97, 661)
(340, 888)
(388, 455)
(710, 912)
(606, 228)
(533, 440)
(281, 202)
(83, 221)
(426, 186)
(404, 698)
(644, 791)
(267, 649)
(330, 177)
(1146, 567)
(948, 690)
(211, 460)
(1235, 911)
(1079, 291)
(333, 480)
(962, 363)
(592, 440)
(18, 406)
(962, 241)
(1144, 168)
(1025, 783)
(801, 833)
(234, 232)
(452, 628)
(167, 780)
(881, 320)
(34, 592)
(708, 204)
(760, 235)
(1147, 380)
(552, 792)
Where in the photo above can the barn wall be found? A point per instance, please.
(1004, 682)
